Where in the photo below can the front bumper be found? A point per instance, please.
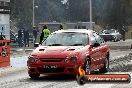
(58, 68)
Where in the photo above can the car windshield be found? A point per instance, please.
(109, 31)
(66, 39)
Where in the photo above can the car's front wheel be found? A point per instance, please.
(34, 76)
(87, 65)
(115, 39)
(81, 80)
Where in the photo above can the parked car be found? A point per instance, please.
(111, 35)
(65, 50)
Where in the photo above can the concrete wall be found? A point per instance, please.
(69, 25)
(5, 0)
(85, 25)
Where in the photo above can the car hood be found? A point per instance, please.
(54, 51)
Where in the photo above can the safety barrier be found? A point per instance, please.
(4, 53)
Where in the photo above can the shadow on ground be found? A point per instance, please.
(52, 78)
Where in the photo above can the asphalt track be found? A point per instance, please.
(120, 62)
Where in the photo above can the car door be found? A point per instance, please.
(94, 52)
(102, 49)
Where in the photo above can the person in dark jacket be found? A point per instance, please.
(20, 38)
(61, 27)
(35, 34)
(26, 37)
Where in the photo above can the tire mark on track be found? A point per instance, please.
(24, 83)
(122, 64)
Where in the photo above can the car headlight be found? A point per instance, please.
(32, 60)
(73, 59)
(66, 60)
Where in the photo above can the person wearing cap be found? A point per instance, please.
(44, 34)
(35, 33)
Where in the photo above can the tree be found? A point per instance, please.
(78, 10)
(48, 11)
(114, 13)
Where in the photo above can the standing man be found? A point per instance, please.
(20, 38)
(44, 34)
(124, 28)
(26, 37)
(35, 33)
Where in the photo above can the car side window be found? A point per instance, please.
(93, 39)
(98, 38)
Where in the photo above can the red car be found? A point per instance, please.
(65, 50)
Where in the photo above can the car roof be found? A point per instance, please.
(109, 29)
(88, 31)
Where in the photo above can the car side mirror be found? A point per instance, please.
(36, 44)
(96, 44)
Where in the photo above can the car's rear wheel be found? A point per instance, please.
(34, 76)
(87, 65)
(106, 65)
(115, 39)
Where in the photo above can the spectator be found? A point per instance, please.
(35, 33)
(124, 29)
(26, 37)
(44, 34)
(20, 38)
